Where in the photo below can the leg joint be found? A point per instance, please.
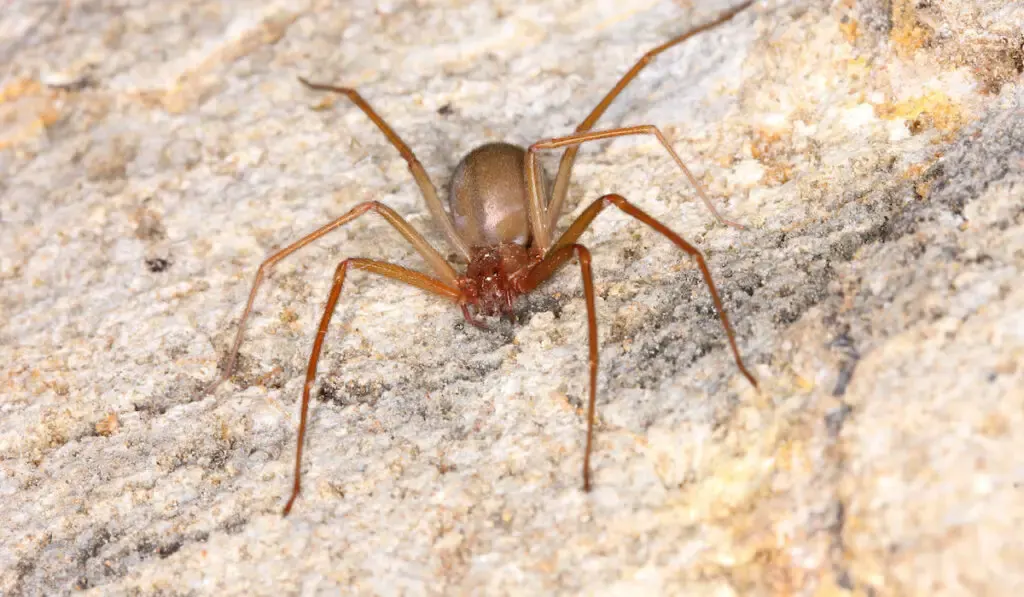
(325, 87)
(339, 272)
(582, 253)
(366, 206)
(614, 199)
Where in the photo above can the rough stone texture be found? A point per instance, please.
(154, 152)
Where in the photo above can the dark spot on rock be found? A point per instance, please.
(844, 580)
(352, 392)
(145, 546)
(845, 346)
(834, 419)
(328, 393)
(168, 549)
(157, 264)
(23, 569)
(73, 85)
(91, 542)
(445, 110)
(234, 524)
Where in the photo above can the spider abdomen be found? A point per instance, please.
(487, 196)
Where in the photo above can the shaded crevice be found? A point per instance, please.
(844, 344)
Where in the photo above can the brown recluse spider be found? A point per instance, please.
(500, 225)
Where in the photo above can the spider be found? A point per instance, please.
(500, 224)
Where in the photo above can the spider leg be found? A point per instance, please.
(576, 139)
(568, 239)
(541, 272)
(471, 319)
(418, 173)
(387, 270)
(445, 271)
(561, 187)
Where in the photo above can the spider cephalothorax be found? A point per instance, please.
(494, 277)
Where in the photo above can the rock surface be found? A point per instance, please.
(154, 153)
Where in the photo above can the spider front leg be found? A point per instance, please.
(387, 270)
(561, 188)
(436, 261)
(566, 247)
(537, 275)
(437, 210)
(568, 239)
(576, 139)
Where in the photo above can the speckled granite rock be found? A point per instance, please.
(153, 154)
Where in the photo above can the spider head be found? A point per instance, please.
(489, 279)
